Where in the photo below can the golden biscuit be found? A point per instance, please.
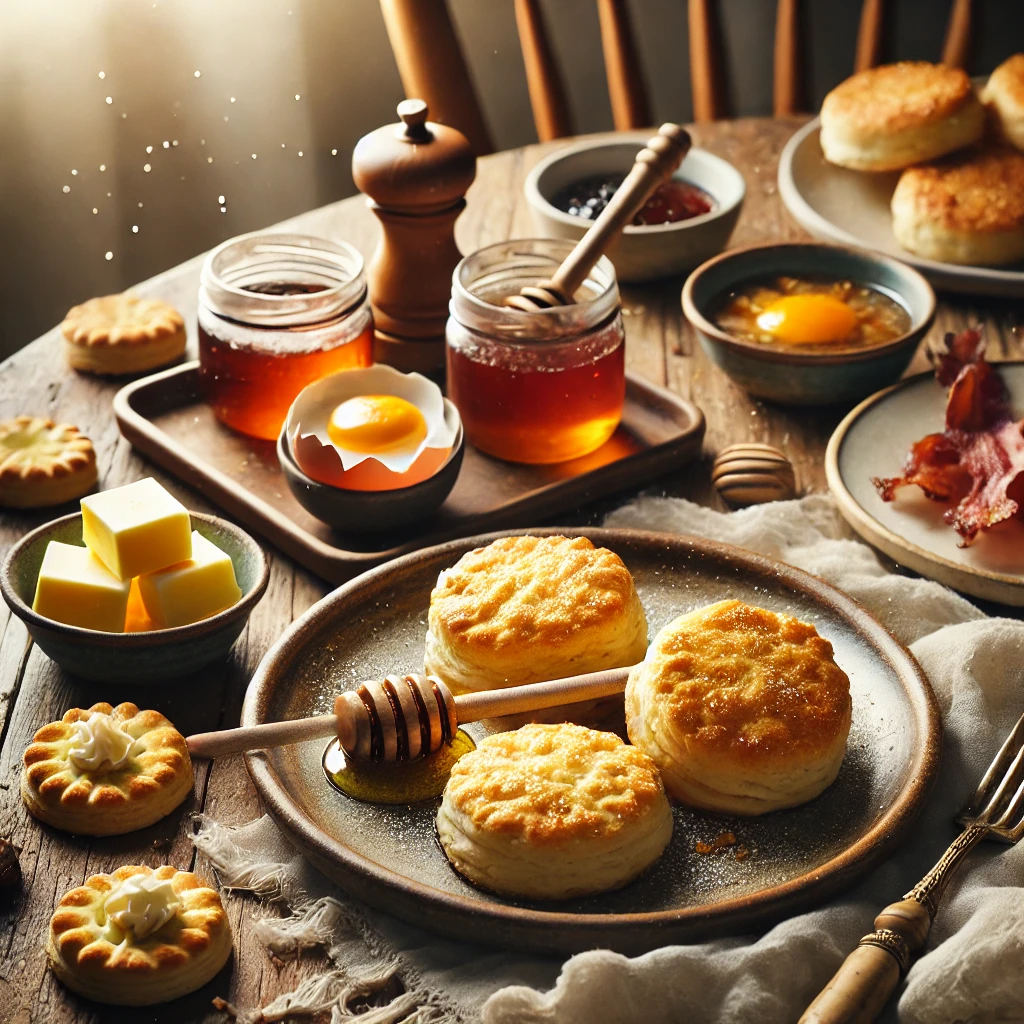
(553, 811)
(106, 771)
(526, 609)
(1003, 96)
(744, 710)
(43, 463)
(965, 209)
(889, 117)
(124, 333)
(138, 936)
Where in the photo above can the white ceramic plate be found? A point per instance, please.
(874, 440)
(852, 208)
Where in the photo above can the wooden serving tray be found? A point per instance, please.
(165, 417)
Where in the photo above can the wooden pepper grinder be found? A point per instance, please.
(416, 174)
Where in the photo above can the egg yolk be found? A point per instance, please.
(802, 319)
(377, 423)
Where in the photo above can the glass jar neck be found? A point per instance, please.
(483, 280)
(282, 280)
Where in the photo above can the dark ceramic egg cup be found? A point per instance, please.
(372, 511)
(145, 657)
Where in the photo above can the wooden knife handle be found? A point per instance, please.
(867, 978)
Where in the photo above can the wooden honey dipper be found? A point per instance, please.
(400, 718)
(657, 161)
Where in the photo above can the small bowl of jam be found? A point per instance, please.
(807, 323)
(688, 219)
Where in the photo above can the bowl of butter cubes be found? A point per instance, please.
(134, 588)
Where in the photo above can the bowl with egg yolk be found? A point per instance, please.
(372, 449)
(807, 323)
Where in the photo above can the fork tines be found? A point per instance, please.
(998, 802)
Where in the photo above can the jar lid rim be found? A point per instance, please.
(338, 263)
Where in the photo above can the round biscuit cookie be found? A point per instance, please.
(43, 463)
(67, 783)
(94, 949)
(553, 811)
(526, 609)
(890, 117)
(116, 334)
(1003, 96)
(744, 710)
(965, 209)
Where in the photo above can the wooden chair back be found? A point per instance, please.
(433, 67)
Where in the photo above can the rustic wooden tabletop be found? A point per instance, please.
(33, 691)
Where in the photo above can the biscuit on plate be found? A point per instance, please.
(550, 812)
(889, 117)
(123, 333)
(967, 209)
(1003, 96)
(743, 710)
(43, 463)
(106, 771)
(139, 936)
(526, 609)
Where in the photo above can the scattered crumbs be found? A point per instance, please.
(102, 74)
(717, 844)
(224, 1006)
(741, 852)
(108, 99)
(66, 189)
(147, 167)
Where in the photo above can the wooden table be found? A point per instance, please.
(661, 346)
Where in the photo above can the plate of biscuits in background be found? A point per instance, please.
(918, 161)
(773, 742)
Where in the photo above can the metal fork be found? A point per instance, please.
(861, 987)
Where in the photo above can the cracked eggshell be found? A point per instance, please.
(319, 458)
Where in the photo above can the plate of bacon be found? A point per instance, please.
(931, 471)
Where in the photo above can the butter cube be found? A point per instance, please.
(191, 590)
(137, 528)
(75, 587)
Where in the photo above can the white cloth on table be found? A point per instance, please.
(973, 969)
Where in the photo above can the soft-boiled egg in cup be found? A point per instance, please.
(371, 429)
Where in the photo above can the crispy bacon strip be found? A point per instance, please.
(976, 464)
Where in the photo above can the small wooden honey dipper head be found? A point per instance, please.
(654, 163)
(398, 718)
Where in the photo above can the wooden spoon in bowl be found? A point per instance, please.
(656, 162)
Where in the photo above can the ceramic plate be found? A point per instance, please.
(874, 440)
(852, 208)
(389, 855)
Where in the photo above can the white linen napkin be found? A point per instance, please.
(974, 965)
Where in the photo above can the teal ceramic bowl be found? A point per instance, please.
(141, 658)
(795, 377)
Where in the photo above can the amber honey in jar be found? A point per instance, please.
(536, 387)
(277, 312)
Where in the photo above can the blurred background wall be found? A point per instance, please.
(137, 133)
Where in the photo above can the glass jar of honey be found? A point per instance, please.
(277, 312)
(534, 387)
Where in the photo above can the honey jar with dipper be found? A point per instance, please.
(535, 342)
(541, 386)
(277, 312)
